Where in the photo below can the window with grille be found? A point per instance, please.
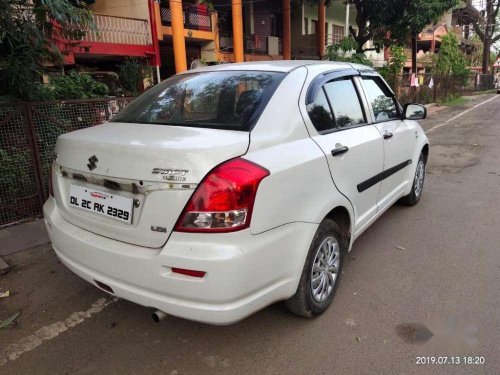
(337, 33)
(314, 26)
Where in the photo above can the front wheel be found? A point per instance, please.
(418, 184)
(321, 274)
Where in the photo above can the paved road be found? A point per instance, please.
(436, 260)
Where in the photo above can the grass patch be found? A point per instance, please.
(455, 102)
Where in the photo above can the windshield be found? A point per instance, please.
(220, 100)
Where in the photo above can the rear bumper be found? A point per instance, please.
(244, 272)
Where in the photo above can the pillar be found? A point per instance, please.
(154, 11)
(287, 39)
(237, 11)
(178, 36)
(347, 16)
(321, 28)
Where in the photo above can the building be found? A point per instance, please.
(175, 35)
(117, 35)
(306, 27)
(238, 31)
(458, 21)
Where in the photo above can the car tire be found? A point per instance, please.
(418, 184)
(326, 255)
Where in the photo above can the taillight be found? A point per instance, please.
(223, 202)
(51, 189)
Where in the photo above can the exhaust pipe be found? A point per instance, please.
(158, 316)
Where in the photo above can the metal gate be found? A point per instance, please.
(28, 133)
(21, 194)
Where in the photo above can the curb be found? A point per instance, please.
(23, 237)
(4, 267)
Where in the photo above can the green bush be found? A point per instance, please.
(73, 85)
(396, 63)
(14, 164)
(451, 59)
(133, 71)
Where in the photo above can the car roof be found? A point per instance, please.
(284, 66)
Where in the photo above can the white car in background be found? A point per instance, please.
(225, 189)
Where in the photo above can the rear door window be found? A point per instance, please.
(221, 100)
(345, 103)
(320, 113)
(381, 99)
(337, 106)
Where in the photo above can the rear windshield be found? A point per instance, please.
(221, 100)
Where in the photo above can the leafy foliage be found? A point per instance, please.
(486, 27)
(12, 162)
(73, 85)
(396, 63)
(27, 32)
(395, 66)
(344, 51)
(133, 71)
(389, 22)
(451, 59)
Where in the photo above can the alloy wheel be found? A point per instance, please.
(419, 178)
(324, 272)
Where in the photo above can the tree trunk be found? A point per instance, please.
(488, 34)
(486, 56)
(360, 48)
(414, 51)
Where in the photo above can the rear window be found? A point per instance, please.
(221, 100)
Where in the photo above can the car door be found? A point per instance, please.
(353, 147)
(399, 138)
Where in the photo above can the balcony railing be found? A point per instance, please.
(119, 30)
(254, 44)
(226, 43)
(195, 17)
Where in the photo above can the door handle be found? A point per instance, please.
(340, 150)
(388, 135)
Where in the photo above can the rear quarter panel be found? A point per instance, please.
(299, 188)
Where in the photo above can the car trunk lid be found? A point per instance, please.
(152, 168)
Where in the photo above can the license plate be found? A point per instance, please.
(101, 203)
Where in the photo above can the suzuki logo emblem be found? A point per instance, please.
(92, 163)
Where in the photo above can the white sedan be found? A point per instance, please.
(225, 189)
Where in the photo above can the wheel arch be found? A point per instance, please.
(425, 151)
(342, 216)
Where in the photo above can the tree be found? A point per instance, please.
(486, 27)
(389, 22)
(487, 31)
(450, 59)
(27, 31)
(393, 21)
(343, 51)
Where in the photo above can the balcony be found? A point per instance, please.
(195, 17)
(119, 30)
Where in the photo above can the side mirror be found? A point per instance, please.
(415, 112)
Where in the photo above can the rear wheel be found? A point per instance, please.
(321, 274)
(418, 184)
